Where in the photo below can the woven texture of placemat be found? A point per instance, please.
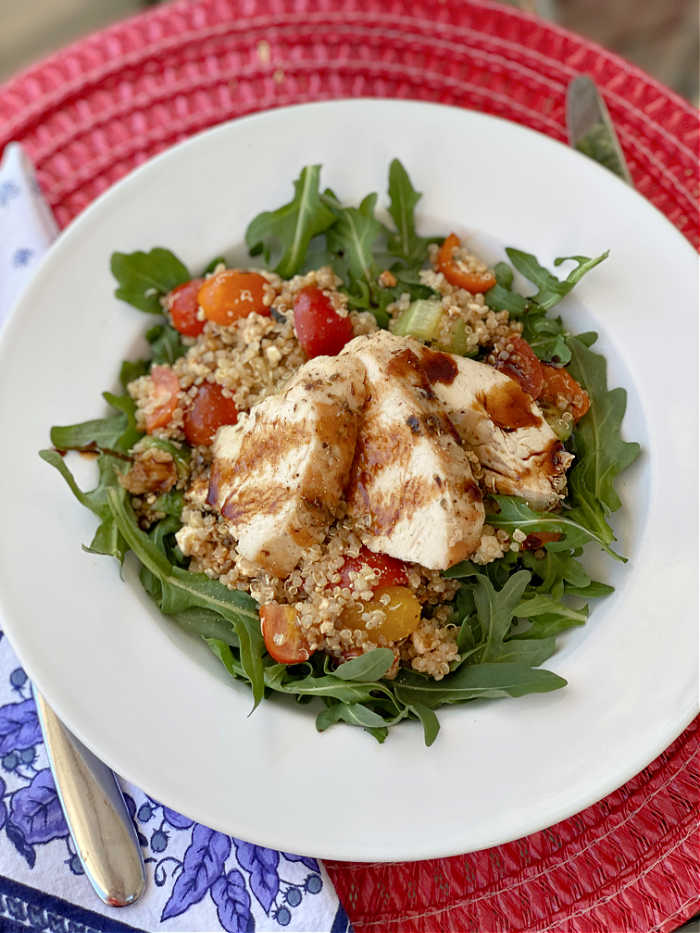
(93, 112)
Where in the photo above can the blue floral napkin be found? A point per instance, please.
(198, 879)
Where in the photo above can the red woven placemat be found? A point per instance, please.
(91, 113)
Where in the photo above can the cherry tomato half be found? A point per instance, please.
(472, 281)
(167, 388)
(557, 383)
(230, 295)
(280, 624)
(320, 330)
(523, 366)
(183, 306)
(401, 613)
(389, 570)
(208, 412)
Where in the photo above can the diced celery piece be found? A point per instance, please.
(560, 422)
(421, 319)
(458, 339)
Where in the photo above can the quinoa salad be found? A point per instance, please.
(363, 465)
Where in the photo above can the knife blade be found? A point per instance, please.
(95, 811)
(591, 130)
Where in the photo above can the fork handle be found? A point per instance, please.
(97, 817)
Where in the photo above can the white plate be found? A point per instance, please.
(155, 705)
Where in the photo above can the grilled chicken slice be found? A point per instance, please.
(519, 452)
(412, 494)
(279, 473)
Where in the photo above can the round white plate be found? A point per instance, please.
(155, 705)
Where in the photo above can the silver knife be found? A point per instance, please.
(95, 811)
(591, 130)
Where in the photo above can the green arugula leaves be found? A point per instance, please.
(546, 335)
(283, 235)
(355, 242)
(144, 277)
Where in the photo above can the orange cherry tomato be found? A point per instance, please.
(390, 571)
(284, 639)
(559, 384)
(183, 306)
(320, 330)
(472, 281)
(401, 613)
(230, 295)
(167, 388)
(523, 366)
(208, 412)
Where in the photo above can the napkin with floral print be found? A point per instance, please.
(198, 879)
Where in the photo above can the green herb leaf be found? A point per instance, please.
(516, 513)
(431, 725)
(369, 666)
(405, 243)
(601, 454)
(531, 652)
(107, 539)
(287, 232)
(351, 239)
(472, 681)
(166, 345)
(182, 590)
(131, 370)
(143, 278)
(495, 610)
(551, 290)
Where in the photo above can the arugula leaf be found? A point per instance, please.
(107, 539)
(369, 666)
(405, 243)
(351, 238)
(429, 720)
(495, 610)
(216, 261)
(355, 714)
(516, 513)
(600, 452)
(287, 232)
(182, 590)
(529, 651)
(143, 278)
(551, 290)
(166, 344)
(473, 681)
(206, 624)
(115, 432)
(132, 369)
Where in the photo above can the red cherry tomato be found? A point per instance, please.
(472, 281)
(207, 413)
(284, 639)
(183, 306)
(167, 388)
(389, 570)
(558, 384)
(523, 366)
(320, 330)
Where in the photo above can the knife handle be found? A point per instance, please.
(99, 822)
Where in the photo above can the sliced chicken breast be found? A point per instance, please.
(519, 452)
(279, 473)
(412, 494)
